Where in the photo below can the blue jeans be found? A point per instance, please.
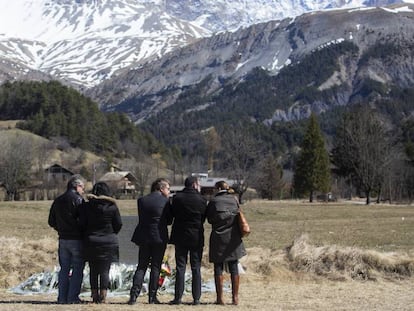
(70, 282)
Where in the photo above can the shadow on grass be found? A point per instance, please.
(30, 302)
(40, 302)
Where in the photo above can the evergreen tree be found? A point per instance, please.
(52, 110)
(312, 171)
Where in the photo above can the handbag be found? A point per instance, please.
(243, 224)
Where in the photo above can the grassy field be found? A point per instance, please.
(274, 224)
(381, 227)
(282, 271)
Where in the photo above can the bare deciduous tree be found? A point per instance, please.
(16, 157)
(269, 180)
(143, 168)
(240, 152)
(363, 149)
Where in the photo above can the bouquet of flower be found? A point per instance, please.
(165, 271)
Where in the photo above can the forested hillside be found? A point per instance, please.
(53, 110)
(233, 132)
(270, 109)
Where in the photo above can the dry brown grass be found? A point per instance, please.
(20, 258)
(8, 124)
(300, 257)
(341, 263)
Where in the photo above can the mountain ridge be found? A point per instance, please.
(141, 92)
(85, 42)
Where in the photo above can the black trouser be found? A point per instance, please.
(181, 255)
(150, 253)
(99, 274)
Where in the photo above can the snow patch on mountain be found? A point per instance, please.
(88, 41)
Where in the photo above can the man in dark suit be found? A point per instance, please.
(188, 209)
(151, 235)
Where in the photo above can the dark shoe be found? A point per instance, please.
(196, 302)
(154, 301)
(95, 295)
(175, 302)
(132, 300)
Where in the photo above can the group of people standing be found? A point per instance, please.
(87, 232)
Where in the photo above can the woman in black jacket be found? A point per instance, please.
(226, 245)
(101, 222)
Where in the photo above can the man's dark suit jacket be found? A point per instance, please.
(153, 219)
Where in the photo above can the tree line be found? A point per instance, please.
(372, 157)
(243, 108)
(52, 110)
(68, 120)
(230, 139)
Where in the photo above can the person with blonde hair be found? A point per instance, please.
(226, 245)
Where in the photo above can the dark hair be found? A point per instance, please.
(189, 181)
(221, 185)
(159, 184)
(101, 188)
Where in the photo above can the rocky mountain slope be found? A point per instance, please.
(219, 15)
(85, 42)
(145, 91)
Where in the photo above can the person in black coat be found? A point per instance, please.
(151, 235)
(101, 222)
(188, 209)
(226, 245)
(64, 218)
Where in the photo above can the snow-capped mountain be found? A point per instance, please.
(85, 42)
(88, 41)
(228, 59)
(230, 15)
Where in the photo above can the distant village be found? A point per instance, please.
(122, 184)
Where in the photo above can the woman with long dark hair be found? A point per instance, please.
(101, 222)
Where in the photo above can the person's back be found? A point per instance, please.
(153, 219)
(189, 212)
(64, 218)
(226, 245)
(151, 234)
(101, 221)
(188, 209)
(221, 211)
(64, 214)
